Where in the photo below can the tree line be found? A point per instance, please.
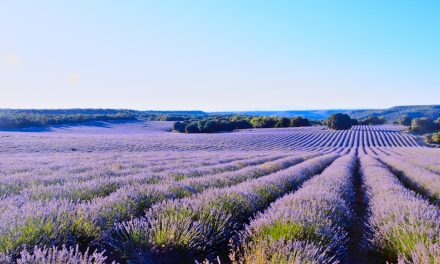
(229, 123)
(213, 124)
(11, 119)
(22, 120)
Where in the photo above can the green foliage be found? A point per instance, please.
(434, 138)
(242, 124)
(37, 120)
(21, 118)
(299, 122)
(263, 122)
(395, 113)
(340, 121)
(372, 120)
(287, 231)
(229, 123)
(283, 122)
(405, 120)
(193, 127)
(179, 127)
(423, 125)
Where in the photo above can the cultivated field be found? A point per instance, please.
(136, 193)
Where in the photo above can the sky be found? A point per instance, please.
(219, 55)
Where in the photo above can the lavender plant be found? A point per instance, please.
(312, 222)
(403, 226)
(200, 225)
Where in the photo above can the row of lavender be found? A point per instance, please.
(94, 179)
(318, 139)
(26, 222)
(307, 226)
(259, 139)
(310, 225)
(198, 226)
(404, 227)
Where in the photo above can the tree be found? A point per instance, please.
(263, 122)
(423, 125)
(226, 125)
(243, 124)
(210, 127)
(283, 122)
(435, 138)
(299, 122)
(193, 127)
(405, 120)
(339, 121)
(179, 126)
(373, 120)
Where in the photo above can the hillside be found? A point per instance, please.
(311, 114)
(391, 114)
(394, 113)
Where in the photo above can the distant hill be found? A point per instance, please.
(394, 113)
(311, 114)
(23, 118)
(391, 114)
(96, 111)
(17, 118)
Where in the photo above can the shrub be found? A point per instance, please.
(263, 122)
(210, 127)
(283, 122)
(243, 124)
(179, 126)
(299, 122)
(226, 125)
(423, 125)
(434, 138)
(405, 120)
(373, 120)
(193, 127)
(339, 121)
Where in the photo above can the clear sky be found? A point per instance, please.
(219, 54)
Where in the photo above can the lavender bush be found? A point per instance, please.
(422, 180)
(403, 226)
(53, 255)
(311, 223)
(200, 225)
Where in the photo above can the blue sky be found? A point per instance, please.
(219, 55)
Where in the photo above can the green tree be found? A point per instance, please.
(179, 126)
(405, 120)
(193, 127)
(283, 122)
(263, 122)
(210, 127)
(339, 121)
(373, 120)
(423, 125)
(243, 124)
(299, 122)
(435, 138)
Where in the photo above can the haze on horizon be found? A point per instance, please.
(219, 55)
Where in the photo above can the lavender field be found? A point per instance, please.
(138, 193)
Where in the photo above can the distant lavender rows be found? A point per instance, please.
(293, 139)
